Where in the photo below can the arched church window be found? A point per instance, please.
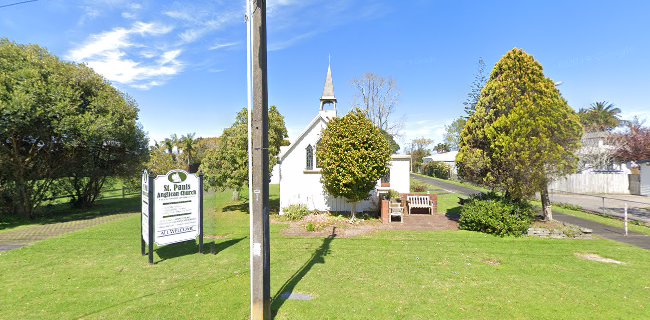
(310, 158)
(316, 161)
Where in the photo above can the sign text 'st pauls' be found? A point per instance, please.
(176, 207)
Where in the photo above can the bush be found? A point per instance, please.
(296, 212)
(437, 169)
(417, 186)
(492, 214)
(392, 194)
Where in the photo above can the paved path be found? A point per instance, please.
(25, 236)
(611, 205)
(605, 231)
(449, 187)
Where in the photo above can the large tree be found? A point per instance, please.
(34, 98)
(418, 149)
(226, 167)
(634, 143)
(104, 138)
(474, 95)
(378, 97)
(452, 133)
(523, 133)
(61, 122)
(352, 155)
(600, 116)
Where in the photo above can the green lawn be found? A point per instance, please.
(98, 273)
(457, 183)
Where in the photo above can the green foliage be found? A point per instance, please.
(417, 186)
(392, 194)
(453, 131)
(296, 212)
(442, 148)
(353, 155)
(490, 213)
(310, 227)
(60, 119)
(419, 149)
(600, 116)
(161, 161)
(394, 146)
(437, 169)
(477, 86)
(226, 167)
(523, 133)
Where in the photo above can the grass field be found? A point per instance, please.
(98, 273)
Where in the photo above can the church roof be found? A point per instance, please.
(328, 91)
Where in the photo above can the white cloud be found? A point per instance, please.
(280, 45)
(219, 46)
(112, 54)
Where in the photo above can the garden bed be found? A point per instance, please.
(558, 230)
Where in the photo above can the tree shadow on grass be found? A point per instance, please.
(192, 247)
(242, 206)
(453, 214)
(62, 212)
(287, 288)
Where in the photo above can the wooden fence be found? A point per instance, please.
(609, 183)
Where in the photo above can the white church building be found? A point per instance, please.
(299, 174)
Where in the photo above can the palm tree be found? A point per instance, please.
(187, 145)
(170, 143)
(600, 116)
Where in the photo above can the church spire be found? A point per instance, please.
(328, 91)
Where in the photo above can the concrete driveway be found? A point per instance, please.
(612, 205)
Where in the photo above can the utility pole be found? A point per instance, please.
(259, 154)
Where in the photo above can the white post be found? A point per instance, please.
(625, 218)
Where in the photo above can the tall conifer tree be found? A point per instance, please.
(523, 133)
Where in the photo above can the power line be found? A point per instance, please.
(16, 3)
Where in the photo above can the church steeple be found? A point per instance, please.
(328, 91)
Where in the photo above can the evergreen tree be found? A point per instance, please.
(475, 89)
(226, 167)
(353, 155)
(523, 133)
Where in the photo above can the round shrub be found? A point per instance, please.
(437, 169)
(496, 216)
(296, 212)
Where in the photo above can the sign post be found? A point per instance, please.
(144, 217)
(174, 209)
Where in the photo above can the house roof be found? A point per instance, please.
(443, 157)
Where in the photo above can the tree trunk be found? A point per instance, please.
(235, 195)
(354, 210)
(546, 204)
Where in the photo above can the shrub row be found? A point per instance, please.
(437, 169)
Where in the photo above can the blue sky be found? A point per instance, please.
(185, 61)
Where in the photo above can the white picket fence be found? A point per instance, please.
(612, 183)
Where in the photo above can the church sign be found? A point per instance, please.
(175, 211)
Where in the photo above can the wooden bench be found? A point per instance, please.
(395, 210)
(419, 202)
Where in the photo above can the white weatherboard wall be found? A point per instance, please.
(301, 186)
(645, 178)
(400, 173)
(612, 183)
